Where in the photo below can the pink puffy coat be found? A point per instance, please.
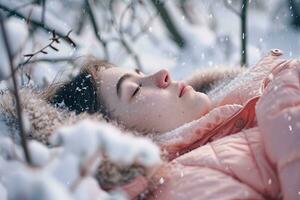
(246, 148)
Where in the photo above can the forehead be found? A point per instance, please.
(108, 83)
(110, 76)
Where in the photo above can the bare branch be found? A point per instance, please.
(15, 92)
(31, 21)
(49, 60)
(54, 39)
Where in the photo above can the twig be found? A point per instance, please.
(96, 29)
(54, 39)
(50, 60)
(32, 21)
(16, 92)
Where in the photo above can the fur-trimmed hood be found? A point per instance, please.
(41, 118)
(206, 80)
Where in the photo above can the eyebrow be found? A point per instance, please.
(120, 81)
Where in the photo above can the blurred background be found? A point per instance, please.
(49, 37)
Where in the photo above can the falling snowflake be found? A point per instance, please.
(161, 180)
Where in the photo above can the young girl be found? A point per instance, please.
(239, 141)
(260, 107)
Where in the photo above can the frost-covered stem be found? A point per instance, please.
(16, 91)
(244, 33)
(32, 21)
(166, 18)
(96, 28)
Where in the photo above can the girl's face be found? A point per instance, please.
(152, 103)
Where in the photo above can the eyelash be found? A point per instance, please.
(136, 90)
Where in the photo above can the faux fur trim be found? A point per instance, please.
(205, 80)
(41, 117)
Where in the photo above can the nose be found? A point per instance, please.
(162, 78)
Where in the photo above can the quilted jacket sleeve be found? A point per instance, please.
(247, 85)
(278, 114)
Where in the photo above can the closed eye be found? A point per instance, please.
(136, 90)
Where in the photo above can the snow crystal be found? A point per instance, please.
(290, 128)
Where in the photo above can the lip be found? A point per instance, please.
(182, 88)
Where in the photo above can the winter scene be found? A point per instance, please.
(149, 99)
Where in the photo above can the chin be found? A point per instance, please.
(201, 105)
